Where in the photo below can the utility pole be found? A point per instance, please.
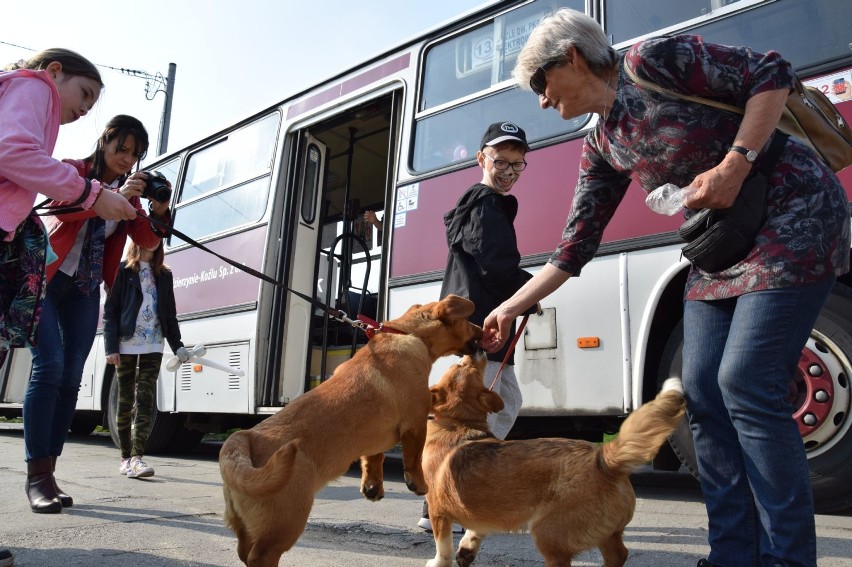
(167, 110)
(155, 84)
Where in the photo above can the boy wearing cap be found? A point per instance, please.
(482, 264)
(483, 259)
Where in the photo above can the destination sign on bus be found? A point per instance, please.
(515, 35)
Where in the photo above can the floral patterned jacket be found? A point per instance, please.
(656, 138)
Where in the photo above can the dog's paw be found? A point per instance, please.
(673, 384)
(465, 557)
(413, 486)
(373, 492)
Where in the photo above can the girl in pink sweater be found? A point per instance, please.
(55, 87)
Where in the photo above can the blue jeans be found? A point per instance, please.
(65, 336)
(739, 357)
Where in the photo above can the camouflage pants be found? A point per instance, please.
(139, 389)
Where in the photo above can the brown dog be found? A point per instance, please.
(572, 495)
(373, 401)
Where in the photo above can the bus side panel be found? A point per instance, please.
(204, 282)
(206, 287)
(650, 274)
(570, 379)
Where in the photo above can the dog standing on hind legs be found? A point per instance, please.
(380, 397)
(571, 495)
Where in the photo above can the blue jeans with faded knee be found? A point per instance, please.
(739, 357)
(65, 336)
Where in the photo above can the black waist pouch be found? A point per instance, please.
(719, 238)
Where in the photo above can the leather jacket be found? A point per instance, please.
(124, 301)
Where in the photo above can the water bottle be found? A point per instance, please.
(667, 199)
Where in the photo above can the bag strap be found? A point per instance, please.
(773, 152)
(655, 87)
(779, 138)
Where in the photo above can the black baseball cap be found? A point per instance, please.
(504, 132)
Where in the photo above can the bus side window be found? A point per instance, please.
(227, 183)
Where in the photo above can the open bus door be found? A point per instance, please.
(299, 313)
(344, 168)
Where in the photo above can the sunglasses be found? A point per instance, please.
(538, 80)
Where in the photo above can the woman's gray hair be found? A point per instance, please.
(555, 35)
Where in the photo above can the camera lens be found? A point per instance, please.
(157, 187)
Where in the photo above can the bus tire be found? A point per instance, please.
(168, 434)
(822, 397)
(84, 422)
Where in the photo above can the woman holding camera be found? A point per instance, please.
(89, 250)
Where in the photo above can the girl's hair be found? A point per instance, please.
(72, 63)
(119, 127)
(134, 251)
(555, 35)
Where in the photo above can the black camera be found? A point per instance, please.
(157, 187)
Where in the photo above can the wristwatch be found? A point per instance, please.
(750, 155)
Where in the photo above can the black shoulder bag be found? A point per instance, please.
(719, 238)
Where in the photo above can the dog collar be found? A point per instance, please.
(371, 328)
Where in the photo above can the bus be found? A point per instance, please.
(284, 191)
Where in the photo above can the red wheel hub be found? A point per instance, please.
(812, 392)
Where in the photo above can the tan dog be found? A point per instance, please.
(373, 401)
(572, 495)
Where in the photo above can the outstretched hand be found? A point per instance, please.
(495, 330)
(490, 341)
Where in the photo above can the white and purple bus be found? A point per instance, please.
(284, 191)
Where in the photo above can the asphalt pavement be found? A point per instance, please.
(175, 518)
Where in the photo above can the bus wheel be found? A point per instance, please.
(168, 434)
(84, 423)
(822, 395)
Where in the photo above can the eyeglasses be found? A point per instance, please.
(538, 80)
(502, 164)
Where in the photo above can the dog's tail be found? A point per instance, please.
(644, 431)
(240, 474)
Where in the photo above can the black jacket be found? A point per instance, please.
(482, 263)
(123, 304)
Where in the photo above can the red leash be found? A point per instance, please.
(511, 348)
(371, 327)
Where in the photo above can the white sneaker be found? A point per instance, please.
(138, 469)
(427, 525)
(124, 468)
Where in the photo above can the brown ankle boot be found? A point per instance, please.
(66, 500)
(40, 488)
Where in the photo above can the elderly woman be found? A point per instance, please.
(745, 326)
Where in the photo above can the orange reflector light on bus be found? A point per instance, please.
(197, 368)
(588, 342)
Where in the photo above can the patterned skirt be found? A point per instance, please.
(22, 286)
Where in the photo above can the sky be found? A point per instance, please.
(232, 57)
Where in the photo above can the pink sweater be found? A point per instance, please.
(29, 124)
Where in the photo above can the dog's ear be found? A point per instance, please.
(453, 307)
(491, 402)
(439, 396)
